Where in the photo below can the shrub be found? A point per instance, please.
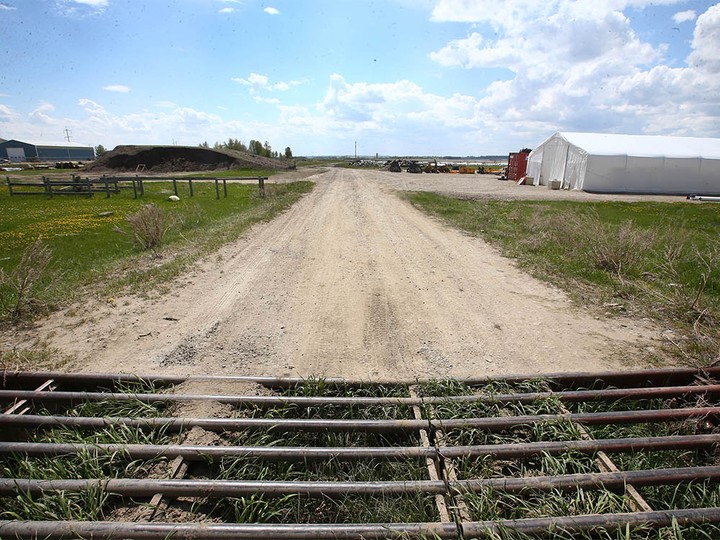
(18, 287)
(149, 225)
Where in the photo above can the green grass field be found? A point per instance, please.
(657, 260)
(88, 249)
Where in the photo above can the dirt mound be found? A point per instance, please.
(182, 158)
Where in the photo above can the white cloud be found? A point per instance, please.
(262, 82)
(706, 42)
(684, 16)
(42, 114)
(7, 114)
(166, 104)
(121, 88)
(5, 7)
(254, 79)
(227, 10)
(595, 74)
(271, 11)
(92, 3)
(72, 8)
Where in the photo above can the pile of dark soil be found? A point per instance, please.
(182, 159)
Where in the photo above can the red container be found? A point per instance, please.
(517, 165)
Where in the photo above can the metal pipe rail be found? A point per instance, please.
(303, 454)
(112, 530)
(612, 394)
(653, 377)
(285, 425)
(241, 488)
(693, 394)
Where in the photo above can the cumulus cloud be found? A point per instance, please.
(595, 73)
(254, 79)
(227, 10)
(257, 81)
(41, 114)
(121, 88)
(271, 11)
(684, 16)
(706, 42)
(7, 114)
(71, 8)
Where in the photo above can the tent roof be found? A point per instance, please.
(606, 144)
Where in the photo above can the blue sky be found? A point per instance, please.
(400, 77)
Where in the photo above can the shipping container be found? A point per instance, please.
(517, 164)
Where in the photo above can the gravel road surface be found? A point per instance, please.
(351, 282)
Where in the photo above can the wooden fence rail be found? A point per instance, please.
(113, 184)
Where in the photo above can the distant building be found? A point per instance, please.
(18, 151)
(610, 163)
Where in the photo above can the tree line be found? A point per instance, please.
(253, 147)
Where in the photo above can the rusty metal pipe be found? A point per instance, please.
(303, 401)
(111, 530)
(241, 488)
(504, 451)
(660, 376)
(283, 425)
(594, 522)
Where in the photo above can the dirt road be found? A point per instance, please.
(352, 282)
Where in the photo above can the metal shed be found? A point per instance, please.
(18, 151)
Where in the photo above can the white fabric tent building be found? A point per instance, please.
(606, 163)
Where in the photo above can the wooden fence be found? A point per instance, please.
(113, 184)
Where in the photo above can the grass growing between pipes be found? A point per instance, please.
(95, 503)
(655, 260)
(344, 509)
(491, 504)
(484, 505)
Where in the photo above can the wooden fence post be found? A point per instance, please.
(225, 186)
(217, 189)
(190, 184)
(107, 187)
(261, 181)
(48, 187)
(7, 178)
(134, 188)
(175, 186)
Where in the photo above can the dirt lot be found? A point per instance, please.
(352, 282)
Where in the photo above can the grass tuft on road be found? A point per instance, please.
(648, 259)
(90, 251)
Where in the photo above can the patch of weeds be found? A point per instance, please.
(149, 226)
(21, 289)
(31, 359)
(495, 505)
(655, 260)
(91, 504)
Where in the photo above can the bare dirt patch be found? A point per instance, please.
(351, 282)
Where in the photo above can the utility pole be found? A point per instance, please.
(67, 134)
(356, 150)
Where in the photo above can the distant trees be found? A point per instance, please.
(254, 147)
(100, 150)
